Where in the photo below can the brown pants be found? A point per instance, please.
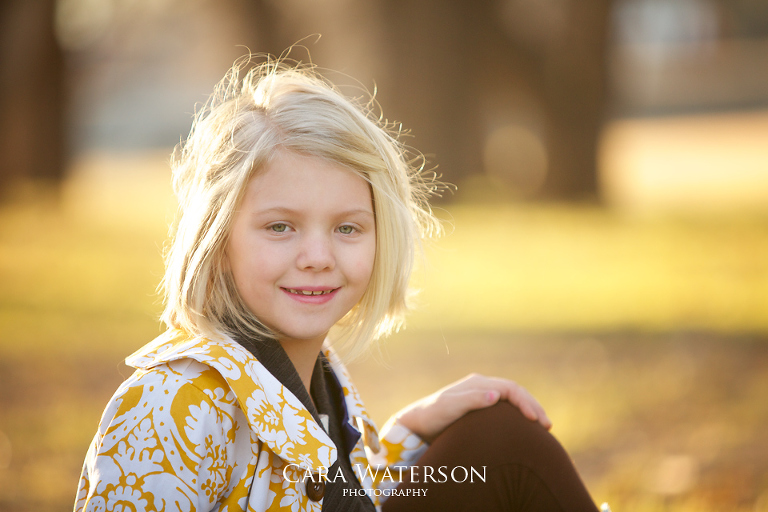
(526, 469)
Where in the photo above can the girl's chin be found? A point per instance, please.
(302, 338)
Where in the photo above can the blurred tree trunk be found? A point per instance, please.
(445, 56)
(574, 74)
(265, 18)
(32, 98)
(431, 47)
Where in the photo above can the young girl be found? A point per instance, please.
(299, 219)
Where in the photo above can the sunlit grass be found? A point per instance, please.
(585, 268)
(63, 284)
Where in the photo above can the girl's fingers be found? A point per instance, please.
(429, 416)
(538, 413)
(523, 400)
(525, 406)
(543, 418)
(470, 400)
(497, 389)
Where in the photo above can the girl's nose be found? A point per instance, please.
(316, 253)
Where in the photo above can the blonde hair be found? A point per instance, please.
(244, 123)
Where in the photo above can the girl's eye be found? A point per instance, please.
(279, 228)
(346, 230)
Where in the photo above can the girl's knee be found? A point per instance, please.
(498, 422)
(500, 434)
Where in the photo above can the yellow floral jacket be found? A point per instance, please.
(202, 425)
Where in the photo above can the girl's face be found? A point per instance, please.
(302, 245)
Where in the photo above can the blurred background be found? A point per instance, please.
(606, 246)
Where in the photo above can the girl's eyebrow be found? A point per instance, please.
(275, 209)
(355, 211)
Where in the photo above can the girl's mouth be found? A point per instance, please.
(309, 293)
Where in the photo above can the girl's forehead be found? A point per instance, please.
(309, 180)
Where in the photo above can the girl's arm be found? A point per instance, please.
(167, 439)
(429, 416)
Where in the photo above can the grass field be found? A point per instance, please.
(644, 338)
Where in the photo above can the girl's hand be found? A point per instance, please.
(432, 414)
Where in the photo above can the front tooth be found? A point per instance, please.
(309, 292)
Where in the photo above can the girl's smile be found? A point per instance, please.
(312, 296)
(302, 245)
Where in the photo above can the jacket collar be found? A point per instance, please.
(274, 413)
